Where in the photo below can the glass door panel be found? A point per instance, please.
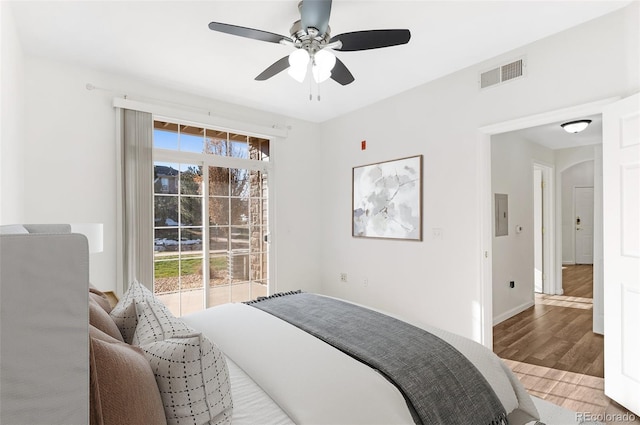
(237, 249)
(178, 237)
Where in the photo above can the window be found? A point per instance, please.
(210, 216)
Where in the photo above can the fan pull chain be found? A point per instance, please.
(311, 85)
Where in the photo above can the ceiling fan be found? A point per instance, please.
(311, 35)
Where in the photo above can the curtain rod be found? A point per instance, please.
(161, 102)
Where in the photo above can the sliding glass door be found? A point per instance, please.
(210, 217)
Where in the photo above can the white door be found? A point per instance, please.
(537, 229)
(583, 224)
(621, 220)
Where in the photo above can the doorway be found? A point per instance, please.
(486, 217)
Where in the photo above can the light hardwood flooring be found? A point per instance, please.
(584, 394)
(553, 351)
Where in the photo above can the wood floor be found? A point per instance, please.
(556, 331)
(577, 281)
(553, 351)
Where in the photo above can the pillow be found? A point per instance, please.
(124, 313)
(193, 379)
(156, 323)
(122, 386)
(100, 298)
(100, 319)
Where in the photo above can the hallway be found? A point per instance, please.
(556, 332)
(554, 353)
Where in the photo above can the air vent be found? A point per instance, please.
(490, 78)
(502, 73)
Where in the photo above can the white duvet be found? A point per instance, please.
(315, 383)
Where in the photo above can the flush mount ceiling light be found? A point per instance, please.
(575, 126)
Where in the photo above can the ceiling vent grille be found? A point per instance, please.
(502, 73)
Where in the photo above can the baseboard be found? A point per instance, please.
(510, 313)
(568, 263)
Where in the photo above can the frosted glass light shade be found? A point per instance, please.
(575, 126)
(325, 60)
(320, 75)
(323, 63)
(298, 62)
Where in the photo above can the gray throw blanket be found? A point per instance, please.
(439, 384)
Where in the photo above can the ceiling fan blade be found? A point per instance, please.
(371, 39)
(315, 14)
(341, 74)
(274, 69)
(247, 32)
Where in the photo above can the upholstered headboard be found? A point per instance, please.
(44, 354)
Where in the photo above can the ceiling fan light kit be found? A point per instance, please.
(311, 35)
(575, 126)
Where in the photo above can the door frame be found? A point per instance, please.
(484, 201)
(548, 225)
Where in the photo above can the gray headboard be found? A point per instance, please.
(44, 341)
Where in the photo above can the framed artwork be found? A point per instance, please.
(387, 200)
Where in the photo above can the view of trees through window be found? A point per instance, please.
(210, 216)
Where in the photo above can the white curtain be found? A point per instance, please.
(135, 206)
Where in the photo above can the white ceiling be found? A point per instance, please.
(554, 137)
(168, 43)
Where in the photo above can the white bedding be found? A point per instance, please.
(315, 383)
(251, 405)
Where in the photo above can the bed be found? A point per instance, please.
(269, 370)
(269, 362)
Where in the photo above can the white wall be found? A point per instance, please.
(579, 175)
(512, 160)
(12, 161)
(439, 280)
(69, 137)
(69, 144)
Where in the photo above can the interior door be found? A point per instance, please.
(621, 220)
(583, 208)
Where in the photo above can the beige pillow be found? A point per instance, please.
(193, 379)
(123, 387)
(100, 319)
(100, 298)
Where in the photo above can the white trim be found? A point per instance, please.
(548, 117)
(484, 198)
(510, 313)
(275, 130)
(549, 224)
(486, 241)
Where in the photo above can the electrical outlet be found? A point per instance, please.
(512, 284)
(343, 277)
(365, 281)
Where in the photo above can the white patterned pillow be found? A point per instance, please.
(124, 313)
(156, 323)
(193, 379)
